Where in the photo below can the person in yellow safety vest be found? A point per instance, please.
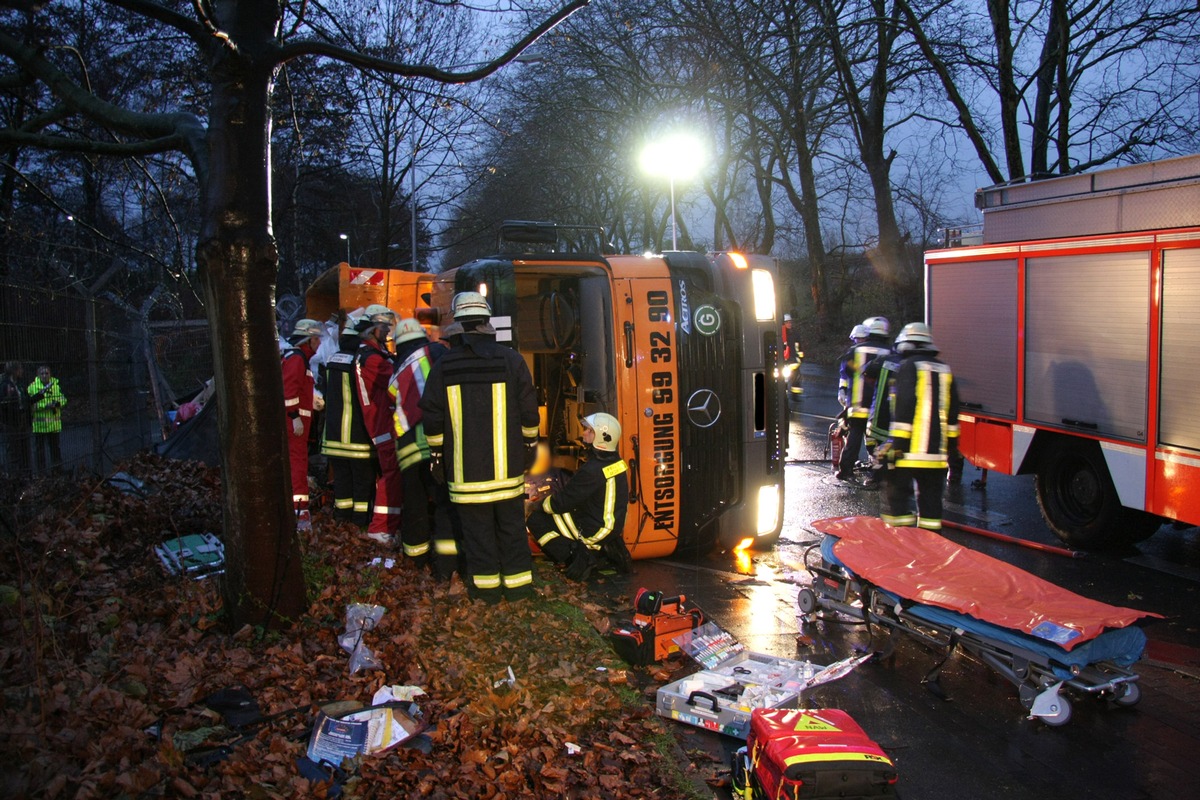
(481, 422)
(415, 356)
(855, 390)
(924, 420)
(47, 400)
(346, 442)
(586, 517)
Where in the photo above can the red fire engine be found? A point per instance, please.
(1072, 328)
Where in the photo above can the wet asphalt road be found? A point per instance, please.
(979, 743)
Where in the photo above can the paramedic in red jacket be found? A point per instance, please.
(373, 372)
(298, 405)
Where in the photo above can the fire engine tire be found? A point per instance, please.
(1077, 497)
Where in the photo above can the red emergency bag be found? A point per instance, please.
(811, 753)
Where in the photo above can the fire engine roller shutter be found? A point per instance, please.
(973, 315)
(1087, 342)
(1179, 386)
(711, 457)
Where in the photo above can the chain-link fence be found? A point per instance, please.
(120, 376)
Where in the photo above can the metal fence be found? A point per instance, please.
(121, 372)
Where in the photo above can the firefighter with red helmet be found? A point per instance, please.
(298, 388)
(345, 441)
(923, 402)
(415, 356)
(481, 422)
(855, 389)
(373, 372)
(584, 520)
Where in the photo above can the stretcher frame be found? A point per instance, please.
(1038, 677)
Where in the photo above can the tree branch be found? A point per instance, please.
(11, 137)
(166, 16)
(387, 66)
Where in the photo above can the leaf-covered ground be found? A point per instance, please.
(106, 661)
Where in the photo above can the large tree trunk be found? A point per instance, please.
(238, 260)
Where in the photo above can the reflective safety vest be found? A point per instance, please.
(882, 370)
(345, 435)
(593, 503)
(406, 388)
(372, 371)
(924, 410)
(47, 411)
(480, 411)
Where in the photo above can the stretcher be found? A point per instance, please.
(1037, 635)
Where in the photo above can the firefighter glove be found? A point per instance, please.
(843, 397)
(297, 426)
(582, 562)
(436, 467)
(885, 455)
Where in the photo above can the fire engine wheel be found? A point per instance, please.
(1077, 496)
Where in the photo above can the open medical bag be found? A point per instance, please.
(657, 621)
(810, 753)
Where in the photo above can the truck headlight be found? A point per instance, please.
(768, 509)
(764, 294)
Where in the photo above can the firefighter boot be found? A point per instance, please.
(582, 562)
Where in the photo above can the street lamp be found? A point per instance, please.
(677, 157)
(346, 238)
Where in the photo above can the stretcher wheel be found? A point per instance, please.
(1061, 716)
(807, 601)
(1128, 695)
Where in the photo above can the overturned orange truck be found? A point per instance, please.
(683, 348)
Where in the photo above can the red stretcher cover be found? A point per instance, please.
(924, 567)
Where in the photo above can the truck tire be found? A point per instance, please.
(1077, 497)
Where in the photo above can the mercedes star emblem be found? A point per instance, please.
(704, 408)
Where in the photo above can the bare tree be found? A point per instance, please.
(243, 44)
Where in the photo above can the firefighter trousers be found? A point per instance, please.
(415, 516)
(496, 548)
(856, 432)
(898, 486)
(298, 466)
(389, 491)
(353, 488)
(446, 534)
(557, 545)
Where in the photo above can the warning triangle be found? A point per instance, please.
(808, 722)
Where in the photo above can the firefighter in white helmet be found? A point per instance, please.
(481, 422)
(373, 371)
(923, 401)
(582, 524)
(855, 389)
(298, 405)
(415, 356)
(346, 442)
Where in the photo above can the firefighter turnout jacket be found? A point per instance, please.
(406, 388)
(345, 434)
(591, 507)
(924, 411)
(373, 373)
(881, 371)
(297, 384)
(854, 388)
(481, 412)
(47, 409)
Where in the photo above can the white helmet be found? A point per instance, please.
(608, 430)
(378, 313)
(914, 336)
(307, 327)
(878, 326)
(408, 329)
(859, 332)
(470, 305)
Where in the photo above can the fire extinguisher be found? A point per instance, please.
(837, 440)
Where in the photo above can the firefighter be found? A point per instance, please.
(373, 372)
(298, 389)
(792, 355)
(855, 390)
(881, 373)
(345, 441)
(415, 355)
(481, 422)
(923, 407)
(585, 518)
(47, 401)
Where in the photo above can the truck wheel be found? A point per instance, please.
(1077, 496)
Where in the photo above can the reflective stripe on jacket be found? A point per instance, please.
(593, 503)
(406, 388)
(853, 382)
(345, 434)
